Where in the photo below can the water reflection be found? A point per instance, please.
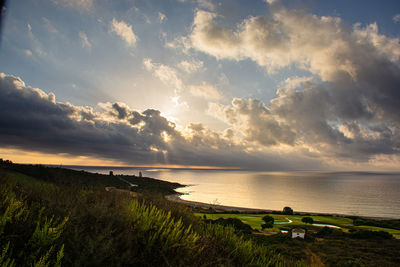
(346, 193)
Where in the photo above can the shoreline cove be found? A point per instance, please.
(222, 208)
(369, 195)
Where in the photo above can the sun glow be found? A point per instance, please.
(165, 136)
(28, 157)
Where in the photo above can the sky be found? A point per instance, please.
(243, 84)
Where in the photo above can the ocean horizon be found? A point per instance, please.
(372, 194)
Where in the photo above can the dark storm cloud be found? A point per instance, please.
(32, 120)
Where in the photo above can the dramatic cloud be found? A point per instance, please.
(331, 89)
(321, 45)
(33, 120)
(84, 40)
(255, 121)
(123, 30)
(40, 123)
(350, 109)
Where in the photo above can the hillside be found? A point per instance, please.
(60, 217)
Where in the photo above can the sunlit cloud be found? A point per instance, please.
(321, 45)
(124, 31)
(222, 84)
(205, 90)
(191, 66)
(166, 74)
(180, 43)
(116, 134)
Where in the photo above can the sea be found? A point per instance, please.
(371, 194)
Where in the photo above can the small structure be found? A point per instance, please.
(111, 173)
(298, 232)
(140, 174)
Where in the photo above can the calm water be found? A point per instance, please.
(365, 194)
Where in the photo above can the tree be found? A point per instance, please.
(287, 211)
(308, 220)
(268, 219)
(269, 222)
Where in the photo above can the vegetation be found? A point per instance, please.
(268, 219)
(269, 222)
(308, 220)
(287, 211)
(59, 217)
(392, 224)
(237, 224)
(350, 245)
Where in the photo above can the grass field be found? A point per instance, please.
(255, 221)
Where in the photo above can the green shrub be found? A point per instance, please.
(27, 238)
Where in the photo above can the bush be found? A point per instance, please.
(366, 234)
(267, 225)
(237, 224)
(308, 220)
(268, 219)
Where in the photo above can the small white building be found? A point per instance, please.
(298, 232)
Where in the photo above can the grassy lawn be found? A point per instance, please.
(255, 221)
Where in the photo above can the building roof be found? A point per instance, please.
(298, 230)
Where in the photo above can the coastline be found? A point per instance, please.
(222, 208)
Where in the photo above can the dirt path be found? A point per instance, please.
(315, 259)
